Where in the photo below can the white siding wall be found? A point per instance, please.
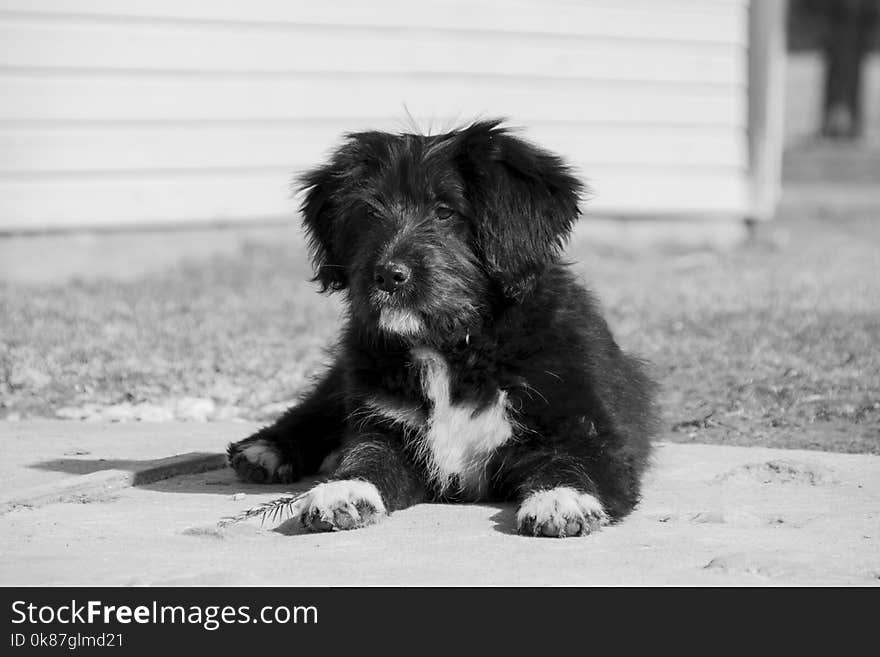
(117, 112)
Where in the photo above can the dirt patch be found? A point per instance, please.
(781, 471)
(767, 566)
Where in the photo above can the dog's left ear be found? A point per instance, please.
(525, 201)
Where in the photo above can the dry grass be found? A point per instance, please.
(772, 344)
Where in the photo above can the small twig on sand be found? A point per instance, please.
(272, 509)
(696, 423)
(704, 423)
(730, 426)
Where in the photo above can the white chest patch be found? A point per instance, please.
(458, 440)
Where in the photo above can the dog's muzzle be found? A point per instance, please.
(391, 276)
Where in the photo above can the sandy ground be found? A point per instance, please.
(711, 515)
(49, 453)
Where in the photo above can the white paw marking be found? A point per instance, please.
(264, 454)
(561, 511)
(345, 504)
(458, 441)
(401, 322)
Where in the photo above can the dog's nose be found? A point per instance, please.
(391, 276)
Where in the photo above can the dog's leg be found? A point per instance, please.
(297, 444)
(589, 473)
(374, 478)
(569, 490)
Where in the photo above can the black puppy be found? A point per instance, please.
(472, 366)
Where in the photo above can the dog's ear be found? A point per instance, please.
(330, 197)
(525, 201)
(321, 219)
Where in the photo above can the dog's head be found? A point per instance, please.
(430, 233)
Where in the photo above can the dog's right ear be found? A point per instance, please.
(321, 218)
(332, 195)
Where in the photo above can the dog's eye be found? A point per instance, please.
(443, 213)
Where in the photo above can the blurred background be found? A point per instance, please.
(151, 264)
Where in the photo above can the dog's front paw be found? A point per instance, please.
(560, 512)
(260, 461)
(336, 505)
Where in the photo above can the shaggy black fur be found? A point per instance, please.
(459, 234)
